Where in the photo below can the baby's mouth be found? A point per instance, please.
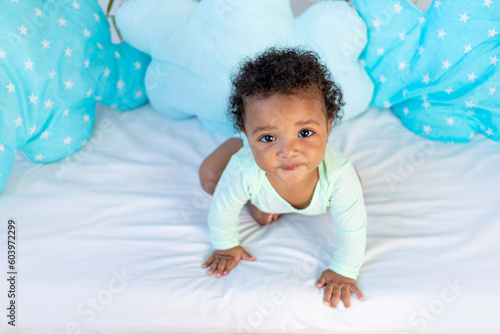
(290, 168)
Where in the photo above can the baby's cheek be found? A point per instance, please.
(265, 161)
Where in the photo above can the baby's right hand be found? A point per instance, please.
(225, 260)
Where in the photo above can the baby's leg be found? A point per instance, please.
(211, 170)
(212, 167)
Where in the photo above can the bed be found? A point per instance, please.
(113, 238)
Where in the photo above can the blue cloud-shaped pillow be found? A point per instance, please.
(438, 70)
(197, 46)
(56, 62)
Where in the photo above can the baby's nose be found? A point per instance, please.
(289, 148)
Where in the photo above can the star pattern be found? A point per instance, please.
(69, 84)
(471, 77)
(62, 22)
(397, 8)
(33, 98)
(441, 33)
(67, 140)
(29, 65)
(46, 44)
(470, 104)
(426, 78)
(45, 134)
(19, 121)
(435, 87)
(494, 60)
(120, 84)
(68, 52)
(22, 30)
(11, 87)
(48, 104)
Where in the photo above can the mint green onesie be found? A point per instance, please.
(338, 188)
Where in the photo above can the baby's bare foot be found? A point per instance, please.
(261, 217)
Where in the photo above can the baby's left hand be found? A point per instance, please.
(338, 287)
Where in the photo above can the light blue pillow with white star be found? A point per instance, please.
(196, 46)
(56, 62)
(438, 70)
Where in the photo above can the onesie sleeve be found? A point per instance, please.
(348, 211)
(229, 197)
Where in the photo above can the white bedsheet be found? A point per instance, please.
(113, 238)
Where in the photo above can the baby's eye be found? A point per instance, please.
(305, 133)
(267, 138)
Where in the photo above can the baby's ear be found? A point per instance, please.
(329, 123)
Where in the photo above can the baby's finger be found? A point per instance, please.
(321, 282)
(220, 268)
(335, 297)
(208, 262)
(358, 293)
(346, 296)
(247, 256)
(214, 266)
(327, 294)
(231, 263)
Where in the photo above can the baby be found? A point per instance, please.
(284, 103)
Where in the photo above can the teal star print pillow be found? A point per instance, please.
(196, 46)
(56, 62)
(438, 70)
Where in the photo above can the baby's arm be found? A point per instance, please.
(349, 216)
(229, 197)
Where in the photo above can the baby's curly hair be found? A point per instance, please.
(284, 71)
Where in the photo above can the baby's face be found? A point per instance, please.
(287, 135)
